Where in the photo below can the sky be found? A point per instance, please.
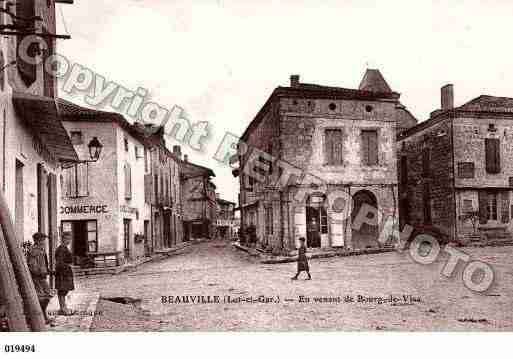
(220, 60)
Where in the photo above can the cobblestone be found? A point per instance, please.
(215, 268)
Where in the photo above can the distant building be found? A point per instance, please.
(456, 168)
(340, 140)
(198, 200)
(226, 222)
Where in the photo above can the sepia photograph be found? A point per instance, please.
(241, 171)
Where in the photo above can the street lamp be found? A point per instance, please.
(95, 149)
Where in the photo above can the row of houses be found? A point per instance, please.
(114, 185)
(451, 173)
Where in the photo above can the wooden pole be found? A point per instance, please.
(32, 307)
(9, 292)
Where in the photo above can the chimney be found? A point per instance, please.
(294, 80)
(177, 150)
(185, 158)
(447, 97)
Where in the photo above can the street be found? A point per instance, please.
(215, 268)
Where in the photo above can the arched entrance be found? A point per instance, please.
(367, 235)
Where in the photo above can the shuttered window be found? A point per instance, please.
(505, 207)
(333, 147)
(128, 181)
(76, 181)
(492, 153)
(370, 147)
(148, 188)
(483, 207)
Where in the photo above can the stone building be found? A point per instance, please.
(34, 143)
(456, 168)
(103, 202)
(198, 200)
(320, 140)
(163, 193)
(226, 223)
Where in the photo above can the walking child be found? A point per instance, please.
(302, 260)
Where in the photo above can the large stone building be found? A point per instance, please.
(34, 144)
(226, 224)
(198, 200)
(332, 139)
(456, 168)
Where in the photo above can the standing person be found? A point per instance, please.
(302, 261)
(63, 272)
(37, 261)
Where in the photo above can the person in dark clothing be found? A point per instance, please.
(37, 261)
(63, 272)
(302, 260)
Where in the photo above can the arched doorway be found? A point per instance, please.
(316, 220)
(367, 235)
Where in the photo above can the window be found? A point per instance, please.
(492, 155)
(76, 138)
(76, 181)
(128, 181)
(324, 220)
(137, 152)
(269, 220)
(466, 169)
(426, 159)
(92, 236)
(332, 106)
(85, 230)
(467, 206)
(126, 144)
(370, 147)
(333, 147)
(250, 183)
(156, 188)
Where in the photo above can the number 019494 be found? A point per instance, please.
(19, 348)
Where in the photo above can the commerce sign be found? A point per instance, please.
(84, 209)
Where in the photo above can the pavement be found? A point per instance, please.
(83, 306)
(374, 292)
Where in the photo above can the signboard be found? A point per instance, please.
(84, 209)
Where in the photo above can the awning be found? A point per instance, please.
(41, 116)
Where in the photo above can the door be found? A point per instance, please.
(126, 237)
(79, 242)
(147, 238)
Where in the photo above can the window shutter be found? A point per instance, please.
(483, 215)
(333, 146)
(73, 181)
(82, 179)
(128, 182)
(328, 147)
(337, 147)
(427, 203)
(370, 147)
(148, 188)
(505, 207)
(492, 153)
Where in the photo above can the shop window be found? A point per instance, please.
(92, 236)
(492, 155)
(370, 147)
(128, 181)
(76, 181)
(466, 170)
(333, 147)
(76, 138)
